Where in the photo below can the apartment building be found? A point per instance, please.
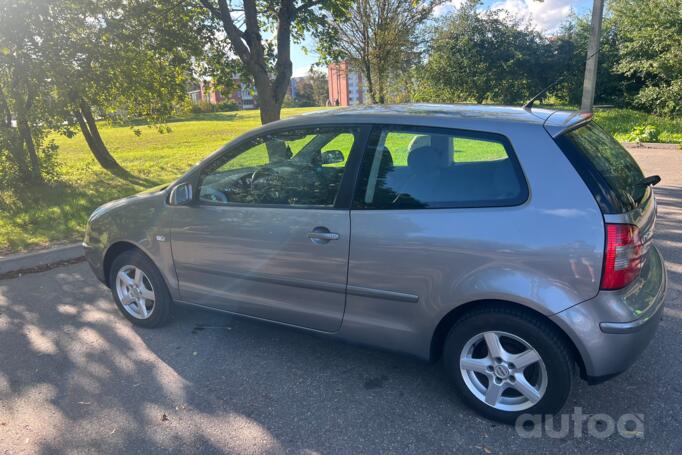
(346, 87)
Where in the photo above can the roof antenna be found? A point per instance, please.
(529, 103)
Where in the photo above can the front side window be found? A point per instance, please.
(420, 168)
(301, 167)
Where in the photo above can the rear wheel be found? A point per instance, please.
(505, 362)
(139, 290)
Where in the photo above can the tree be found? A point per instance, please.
(650, 50)
(310, 90)
(114, 57)
(569, 48)
(269, 61)
(65, 64)
(319, 86)
(484, 56)
(380, 39)
(27, 109)
(304, 92)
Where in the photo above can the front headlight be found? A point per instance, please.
(97, 212)
(104, 208)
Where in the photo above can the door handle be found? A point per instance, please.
(322, 235)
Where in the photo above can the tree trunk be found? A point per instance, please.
(22, 144)
(24, 128)
(381, 96)
(15, 144)
(27, 138)
(16, 148)
(269, 109)
(248, 45)
(367, 70)
(380, 81)
(86, 132)
(6, 114)
(88, 125)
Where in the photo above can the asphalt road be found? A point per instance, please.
(75, 377)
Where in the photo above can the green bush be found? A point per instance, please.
(203, 107)
(644, 133)
(13, 158)
(227, 106)
(622, 123)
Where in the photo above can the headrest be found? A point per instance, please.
(424, 159)
(441, 142)
(419, 142)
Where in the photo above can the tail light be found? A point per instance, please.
(623, 256)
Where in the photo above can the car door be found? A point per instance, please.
(268, 234)
(426, 214)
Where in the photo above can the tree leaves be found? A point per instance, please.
(268, 61)
(380, 39)
(650, 50)
(485, 56)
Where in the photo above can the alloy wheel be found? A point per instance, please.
(135, 292)
(503, 371)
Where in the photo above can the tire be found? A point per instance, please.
(468, 361)
(143, 312)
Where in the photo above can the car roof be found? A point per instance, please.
(470, 111)
(440, 115)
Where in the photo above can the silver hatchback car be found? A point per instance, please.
(514, 244)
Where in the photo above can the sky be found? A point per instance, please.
(546, 16)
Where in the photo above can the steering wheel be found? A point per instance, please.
(269, 180)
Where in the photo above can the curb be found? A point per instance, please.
(17, 263)
(652, 145)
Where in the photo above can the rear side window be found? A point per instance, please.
(607, 168)
(408, 168)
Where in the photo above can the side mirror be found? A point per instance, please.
(332, 157)
(181, 194)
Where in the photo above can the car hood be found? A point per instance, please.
(155, 192)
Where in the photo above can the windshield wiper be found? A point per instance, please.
(651, 180)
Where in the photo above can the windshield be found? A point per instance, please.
(612, 162)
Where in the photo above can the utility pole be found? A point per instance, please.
(590, 83)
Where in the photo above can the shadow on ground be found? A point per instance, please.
(203, 117)
(75, 376)
(58, 211)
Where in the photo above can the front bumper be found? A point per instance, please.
(94, 257)
(611, 330)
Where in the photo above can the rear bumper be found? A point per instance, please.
(611, 330)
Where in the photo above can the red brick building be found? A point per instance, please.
(242, 95)
(346, 86)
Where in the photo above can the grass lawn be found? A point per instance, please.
(58, 212)
(620, 122)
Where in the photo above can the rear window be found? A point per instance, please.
(417, 167)
(607, 168)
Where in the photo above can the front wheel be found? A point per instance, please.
(505, 362)
(139, 290)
